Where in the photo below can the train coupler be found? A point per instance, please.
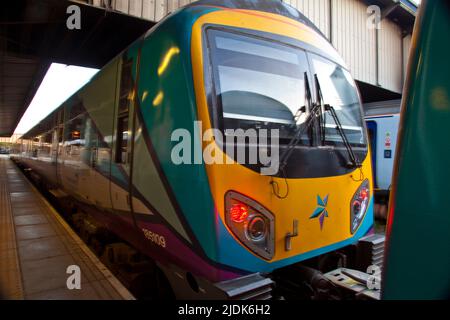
(356, 284)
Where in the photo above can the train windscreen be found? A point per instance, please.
(339, 91)
(260, 83)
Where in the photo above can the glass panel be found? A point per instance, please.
(126, 86)
(122, 140)
(263, 50)
(259, 83)
(45, 145)
(60, 134)
(339, 90)
(75, 110)
(75, 131)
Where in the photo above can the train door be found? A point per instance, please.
(384, 134)
(372, 131)
(121, 167)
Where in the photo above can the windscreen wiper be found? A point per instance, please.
(354, 163)
(308, 100)
(314, 112)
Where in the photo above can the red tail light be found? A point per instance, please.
(239, 212)
(251, 223)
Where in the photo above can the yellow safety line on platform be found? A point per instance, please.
(10, 272)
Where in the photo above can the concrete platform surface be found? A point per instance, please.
(37, 247)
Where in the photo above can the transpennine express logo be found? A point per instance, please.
(321, 210)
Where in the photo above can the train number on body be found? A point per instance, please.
(154, 237)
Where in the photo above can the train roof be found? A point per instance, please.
(269, 6)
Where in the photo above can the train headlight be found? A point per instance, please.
(359, 205)
(251, 223)
(257, 228)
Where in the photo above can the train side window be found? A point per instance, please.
(46, 144)
(76, 131)
(35, 147)
(126, 86)
(60, 116)
(75, 110)
(60, 126)
(60, 134)
(125, 98)
(122, 140)
(48, 137)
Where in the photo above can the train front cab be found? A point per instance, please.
(319, 204)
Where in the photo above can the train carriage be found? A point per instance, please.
(221, 65)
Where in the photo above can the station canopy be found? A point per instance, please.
(34, 34)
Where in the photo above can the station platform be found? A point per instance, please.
(37, 246)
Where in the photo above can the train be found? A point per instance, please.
(383, 134)
(417, 259)
(118, 151)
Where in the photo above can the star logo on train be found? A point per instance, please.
(321, 210)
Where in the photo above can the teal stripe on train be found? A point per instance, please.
(168, 103)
